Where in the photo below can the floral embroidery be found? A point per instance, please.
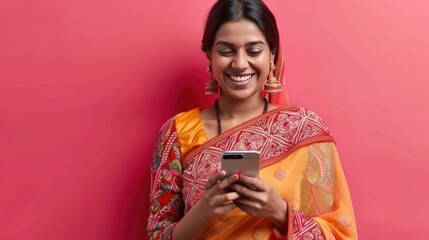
(165, 199)
(249, 141)
(280, 174)
(320, 176)
(345, 221)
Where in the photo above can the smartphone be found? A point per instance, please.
(243, 162)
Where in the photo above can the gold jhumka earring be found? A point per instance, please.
(273, 85)
(212, 86)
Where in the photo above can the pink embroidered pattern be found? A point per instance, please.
(165, 200)
(280, 174)
(305, 227)
(273, 136)
(319, 174)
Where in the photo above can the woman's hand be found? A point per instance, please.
(217, 201)
(259, 199)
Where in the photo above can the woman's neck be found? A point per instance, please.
(241, 109)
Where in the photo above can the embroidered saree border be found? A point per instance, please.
(231, 131)
(306, 142)
(322, 136)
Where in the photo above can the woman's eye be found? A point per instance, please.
(254, 52)
(226, 52)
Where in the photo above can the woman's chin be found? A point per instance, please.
(239, 94)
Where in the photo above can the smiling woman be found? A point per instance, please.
(301, 190)
(240, 60)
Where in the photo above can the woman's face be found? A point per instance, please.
(240, 59)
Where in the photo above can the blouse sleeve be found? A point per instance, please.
(325, 210)
(166, 206)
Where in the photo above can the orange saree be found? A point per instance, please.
(298, 159)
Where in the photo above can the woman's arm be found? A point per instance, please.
(166, 205)
(166, 220)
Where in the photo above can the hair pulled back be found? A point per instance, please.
(233, 10)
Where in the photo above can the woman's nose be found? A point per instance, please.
(240, 62)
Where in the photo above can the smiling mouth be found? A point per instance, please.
(240, 78)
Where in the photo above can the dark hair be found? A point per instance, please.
(233, 10)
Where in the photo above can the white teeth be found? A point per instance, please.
(240, 78)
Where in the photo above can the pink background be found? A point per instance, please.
(86, 84)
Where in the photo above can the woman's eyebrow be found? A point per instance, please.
(255, 43)
(229, 44)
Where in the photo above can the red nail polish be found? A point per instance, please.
(238, 175)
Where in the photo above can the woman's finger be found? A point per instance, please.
(215, 179)
(219, 200)
(259, 197)
(248, 203)
(227, 181)
(231, 196)
(247, 209)
(253, 183)
(221, 210)
(215, 192)
(243, 189)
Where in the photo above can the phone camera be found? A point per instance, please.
(233, 156)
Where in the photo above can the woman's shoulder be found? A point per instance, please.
(193, 113)
(304, 121)
(182, 115)
(296, 110)
(180, 120)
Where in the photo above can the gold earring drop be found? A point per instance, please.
(273, 85)
(212, 86)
